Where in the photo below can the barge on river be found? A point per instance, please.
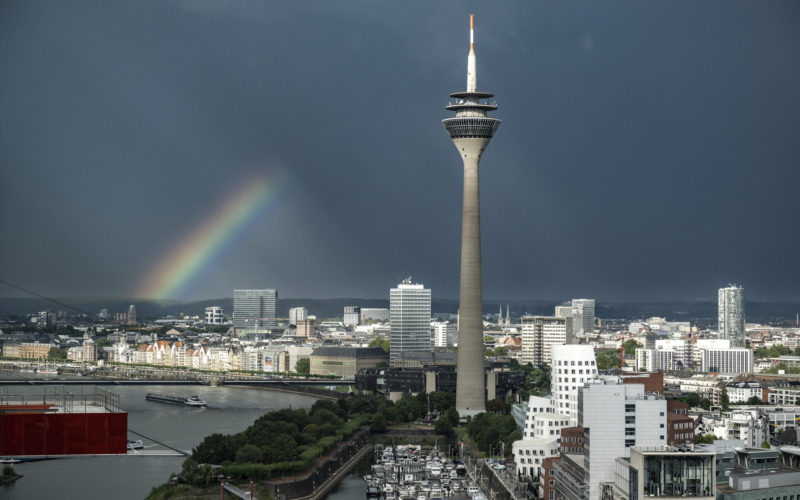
(176, 400)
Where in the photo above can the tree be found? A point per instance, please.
(724, 400)
(704, 439)
(56, 354)
(630, 346)
(189, 470)
(442, 401)
(381, 342)
(754, 401)
(452, 416)
(497, 405)
(303, 366)
(442, 425)
(608, 360)
(248, 454)
(766, 445)
(378, 423)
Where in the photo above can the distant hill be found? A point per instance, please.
(333, 308)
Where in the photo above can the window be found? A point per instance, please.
(630, 408)
(661, 425)
(630, 419)
(661, 414)
(662, 438)
(630, 442)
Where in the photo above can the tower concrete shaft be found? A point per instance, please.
(471, 130)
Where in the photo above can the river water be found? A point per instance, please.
(230, 410)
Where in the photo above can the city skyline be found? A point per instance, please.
(644, 148)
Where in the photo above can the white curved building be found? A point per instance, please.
(572, 366)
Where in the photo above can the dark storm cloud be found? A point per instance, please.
(647, 151)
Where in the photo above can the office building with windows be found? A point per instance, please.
(410, 319)
(582, 317)
(728, 361)
(616, 417)
(297, 314)
(445, 334)
(730, 315)
(572, 365)
(539, 334)
(214, 315)
(352, 316)
(254, 309)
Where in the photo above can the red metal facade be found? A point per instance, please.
(63, 434)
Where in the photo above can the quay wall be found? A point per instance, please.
(327, 473)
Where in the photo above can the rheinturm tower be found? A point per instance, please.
(471, 130)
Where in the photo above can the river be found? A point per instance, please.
(230, 410)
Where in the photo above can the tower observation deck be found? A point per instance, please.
(471, 130)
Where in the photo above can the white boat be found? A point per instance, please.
(135, 444)
(473, 490)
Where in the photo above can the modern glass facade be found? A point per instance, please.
(410, 319)
(254, 308)
(731, 315)
(679, 475)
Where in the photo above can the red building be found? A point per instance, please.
(547, 483)
(62, 424)
(572, 440)
(653, 382)
(680, 426)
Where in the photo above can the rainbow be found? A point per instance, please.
(202, 246)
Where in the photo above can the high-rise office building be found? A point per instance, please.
(254, 308)
(730, 314)
(471, 130)
(352, 316)
(582, 317)
(297, 314)
(444, 333)
(572, 365)
(214, 315)
(410, 319)
(132, 315)
(539, 334)
(563, 311)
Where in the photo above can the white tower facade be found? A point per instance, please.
(410, 319)
(572, 365)
(616, 417)
(731, 315)
(297, 314)
(445, 334)
(471, 130)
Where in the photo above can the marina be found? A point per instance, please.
(410, 472)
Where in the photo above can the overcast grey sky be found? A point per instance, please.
(648, 151)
